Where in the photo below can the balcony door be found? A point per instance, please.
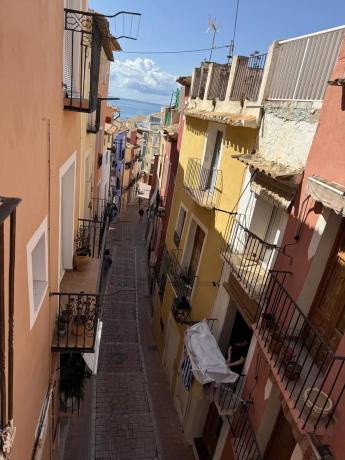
(196, 253)
(328, 311)
(212, 173)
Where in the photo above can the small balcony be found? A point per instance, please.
(243, 436)
(228, 396)
(181, 279)
(310, 375)
(204, 185)
(248, 255)
(76, 323)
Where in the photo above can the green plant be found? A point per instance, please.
(82, 241)
(73, 373)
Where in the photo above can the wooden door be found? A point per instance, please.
(196, 252)
(212, 429)
(328, 311)
(282, 443)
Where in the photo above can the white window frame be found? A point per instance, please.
(42, 230)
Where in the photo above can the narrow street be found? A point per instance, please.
(135, 416)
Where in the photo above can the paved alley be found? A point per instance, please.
(135, 417)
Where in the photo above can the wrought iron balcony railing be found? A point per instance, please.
(248, 77)
(243, 436)
(83, 41)
(248, 255)
(93, 121)
(76, 322)
(311, 375)
(203, 184)
(182, 279)
(219, 81)
(228, 396)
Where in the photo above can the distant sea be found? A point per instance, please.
(131, 107)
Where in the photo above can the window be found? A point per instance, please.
(179, 226)
(37, 266)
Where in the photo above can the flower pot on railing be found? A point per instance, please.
(276, 343)
(318, 401)
(293, 370)
(81, 259)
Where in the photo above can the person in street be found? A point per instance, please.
(141, 213)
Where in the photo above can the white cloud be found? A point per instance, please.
(141, 79)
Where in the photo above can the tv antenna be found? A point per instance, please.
(212, 27)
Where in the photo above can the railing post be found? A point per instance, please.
(231, 81)
(211, 67)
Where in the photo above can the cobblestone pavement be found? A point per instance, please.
(135, 416)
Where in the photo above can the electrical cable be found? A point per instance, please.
(235, 25)
(175, 52)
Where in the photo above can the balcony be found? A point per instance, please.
(204, 185)
(227, 397)
(249, 257)
(243, 436)
(181, 279)
(310, 376)
(219, 81)
(248, 76)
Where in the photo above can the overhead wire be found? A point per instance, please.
(175, 52)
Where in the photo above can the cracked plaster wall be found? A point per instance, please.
(287, 131)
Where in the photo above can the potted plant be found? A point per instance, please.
(78, 325)
(293, 370)
(286, 354)
(276, 343)
(81, 257)
(267, 320)
(61, 325)
(318, 401)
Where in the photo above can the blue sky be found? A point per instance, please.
(182, 24)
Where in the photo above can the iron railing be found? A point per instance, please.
(243, 436)
(228, 396)
(248, 255)
(162, 271)
(76, 322)
(182, 279)
(93, 231)
(200, 80)
(8, 208)
(304, 364)
(82, 52)
(93, 121)
(205, 185)
(219, 81)
(248, 77)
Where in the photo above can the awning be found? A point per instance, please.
(226, 118)
(330, 194)
(272, 168)
(208, 362)
(278, 193)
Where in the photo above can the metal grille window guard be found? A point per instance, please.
(203, 184)
(243, 436)
(83, 41)
(181, 279)
(312, 375)
(248, 255)
(77, 316)
(219, 81)
(227, 396)
(8, 208)
(248, 77)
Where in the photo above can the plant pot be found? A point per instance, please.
(62, 330)
(276, 343)
(267, 321)
(78, 325)
(318, 401)
(286, 354)
(293, 370)
(80, 262)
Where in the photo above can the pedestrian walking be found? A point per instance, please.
(141, 213)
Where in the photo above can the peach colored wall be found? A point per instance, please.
(32, 95)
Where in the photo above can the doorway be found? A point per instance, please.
(282, 442)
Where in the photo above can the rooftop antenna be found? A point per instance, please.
(213, 27)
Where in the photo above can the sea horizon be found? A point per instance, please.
(132, 107)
